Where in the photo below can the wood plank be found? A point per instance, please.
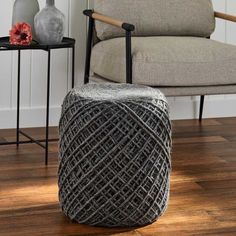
(210, 139)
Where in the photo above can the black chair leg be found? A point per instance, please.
(201, 107)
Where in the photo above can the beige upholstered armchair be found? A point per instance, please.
(169, 49)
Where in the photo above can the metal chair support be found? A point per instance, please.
(201, 107)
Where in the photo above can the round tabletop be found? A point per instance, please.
(5, 45)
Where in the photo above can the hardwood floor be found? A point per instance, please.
(203, 186)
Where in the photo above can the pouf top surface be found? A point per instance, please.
(110, 91)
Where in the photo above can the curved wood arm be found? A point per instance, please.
(109, 20)
(225, 16)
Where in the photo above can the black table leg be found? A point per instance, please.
(48, 105)
(201, 107)
(73, 66)
(44, 143)
(18, 101)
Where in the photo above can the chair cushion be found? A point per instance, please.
(157, 17)
(167, 61)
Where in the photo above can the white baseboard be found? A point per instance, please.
(29, 117)
(214, 107)
(181, 108)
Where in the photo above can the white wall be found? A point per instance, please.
(34, 65)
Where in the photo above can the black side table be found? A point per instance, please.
(6, 46)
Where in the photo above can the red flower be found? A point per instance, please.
(21, 34)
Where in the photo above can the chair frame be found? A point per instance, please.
(129, 28)
(128, 34)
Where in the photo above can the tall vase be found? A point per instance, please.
(25, 11)
(49, 24)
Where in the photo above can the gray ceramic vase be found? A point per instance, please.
(25, 11)
(49, 24)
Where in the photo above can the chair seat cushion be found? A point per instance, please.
(167, 61)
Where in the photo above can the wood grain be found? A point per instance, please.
(225, 16)
(203, 187)
(107, 19)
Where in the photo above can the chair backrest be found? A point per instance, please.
(157, 17)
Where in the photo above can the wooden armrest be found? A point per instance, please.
(225, 16)
(109, 20)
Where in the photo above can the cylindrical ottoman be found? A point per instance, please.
(115, 142)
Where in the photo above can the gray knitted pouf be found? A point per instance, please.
(115, 142)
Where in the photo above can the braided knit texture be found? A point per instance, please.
(115, 143)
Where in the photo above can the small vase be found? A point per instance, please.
(25, 11)
(49, 24)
